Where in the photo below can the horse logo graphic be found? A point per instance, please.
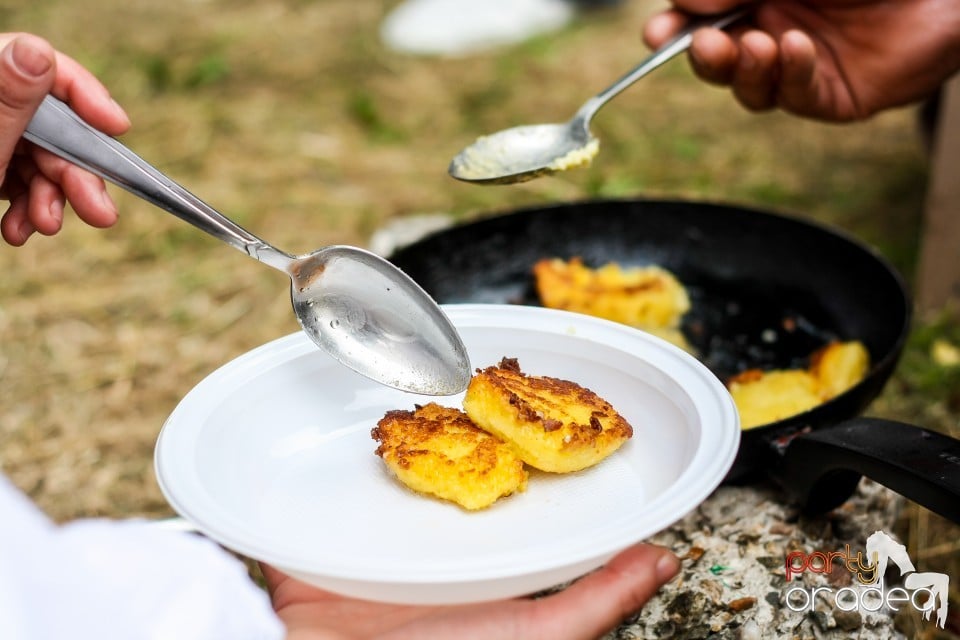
(884, 549)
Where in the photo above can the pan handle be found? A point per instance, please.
(821, 468)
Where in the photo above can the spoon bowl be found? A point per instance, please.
(353, 304)
(523, 153)
(526, 152)
(390, 326)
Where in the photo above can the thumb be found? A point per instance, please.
(596, 603)
(27, 70)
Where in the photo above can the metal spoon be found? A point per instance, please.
(522, 153)
(353, 304)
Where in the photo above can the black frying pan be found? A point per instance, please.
(766, 291)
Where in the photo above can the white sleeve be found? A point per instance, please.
(105, 580)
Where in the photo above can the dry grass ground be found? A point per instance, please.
(291, 117)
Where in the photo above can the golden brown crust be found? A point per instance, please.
(644, 297)
(439, 451)
(648, 298)
(555, 425)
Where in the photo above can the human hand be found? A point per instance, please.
(587, 609)
(832, 60)
(35, 182)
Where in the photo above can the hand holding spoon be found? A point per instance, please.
(356, 306)
(522, 153)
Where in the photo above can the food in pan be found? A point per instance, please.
(554, 425)
(840, 365)
(649, 298)
(763, 397)
(439, 451)
(654, 300)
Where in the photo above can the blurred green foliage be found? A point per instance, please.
(363, 109)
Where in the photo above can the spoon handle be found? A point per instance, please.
(672, 48)
(59, 130)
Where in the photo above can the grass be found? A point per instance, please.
(290, 116)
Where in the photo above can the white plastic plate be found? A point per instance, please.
(271, 456)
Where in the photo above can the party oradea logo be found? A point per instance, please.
(924, 591)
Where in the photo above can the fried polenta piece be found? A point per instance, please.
(649, 298)
(438, 451)
(763, 397)
(555, 425)
(839, 365)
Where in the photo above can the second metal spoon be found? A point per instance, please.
(522, 153)
(353, 304)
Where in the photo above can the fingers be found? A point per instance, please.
(271, 576)
(15, 226)
(707, 7)
(799, 90)
(39, 193)
(764, 70)
(282, 589)
(27, 70)
(714, 56)
(598, 602)
(86, 192)
(88, 97)
(662, 27)
(46, 202)
(30, 68)
(286, 591)
(756, 73)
